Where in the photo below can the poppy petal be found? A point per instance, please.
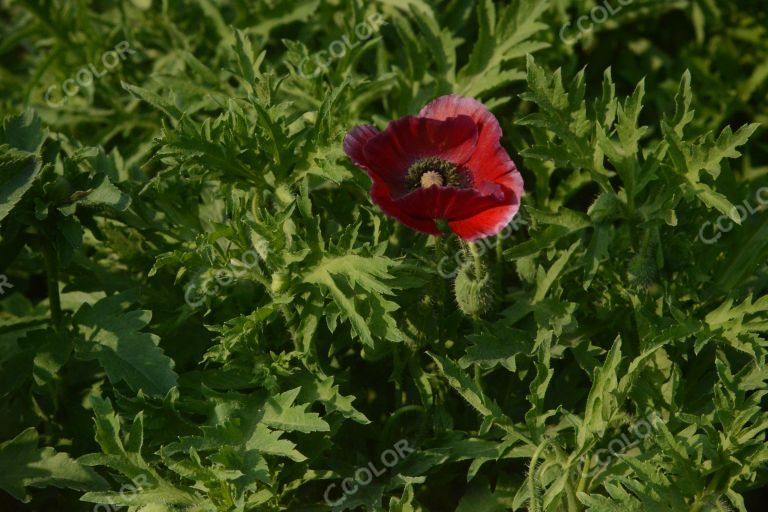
(490, 160)
(512, 180)
(381, 196)
(443, 203)
(490, 221)
(456, 205)
(488, 128)
(471, 213)
(493, 165)
(391, 153)
(355, 140)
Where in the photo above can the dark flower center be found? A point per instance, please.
(431, 171)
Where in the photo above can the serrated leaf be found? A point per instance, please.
(600, 403)
(344, 277)
(127, 354)
(280, 413)
(18, 172)
(23, 464)
(459, 381)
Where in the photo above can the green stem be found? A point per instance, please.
(442, 290)
(478, 374)
(398, 374)
(533, 500)
(52, 276)
(22, 325)
(582, 484)
(476, 258)
(711, 489)
(697, 503)
(478, 263)
(570, 493)
(499, 265)
(392, 420)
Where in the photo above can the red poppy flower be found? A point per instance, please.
(447, 164)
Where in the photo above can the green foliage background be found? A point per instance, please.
(218, 135)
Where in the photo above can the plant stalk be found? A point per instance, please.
(52, 277)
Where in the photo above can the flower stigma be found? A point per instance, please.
(430, 178)
(427, 172)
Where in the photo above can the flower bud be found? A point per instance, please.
(474, 293)
(642, 269)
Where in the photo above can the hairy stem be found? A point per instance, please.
(52, 277)
(477, 259)
(442, 290)
(585, 469)
(533, 499)
(499, 277)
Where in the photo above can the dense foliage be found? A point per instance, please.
(202, 310)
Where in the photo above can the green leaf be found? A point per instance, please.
(358, 285)
(683, 113)
(104, 193)
(536, 416)
(18, 172)
(468, 389)
(114, 338)
(490, 350)
(268, 442)
(317, 388)
(280, 413)
(601, 405)
(23, 464)
(23, 132)
(502, 37)
(168, 107)
(52, 355)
